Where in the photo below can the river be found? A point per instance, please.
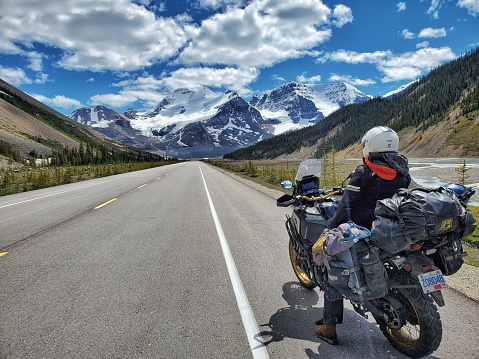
(435, 172)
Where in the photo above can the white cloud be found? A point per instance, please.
(411, 65)
(41, 78)
(401, 6)
(15, 77)
(405, 66)
(422, 44)
(434, 8)
(131, 36)
(407, 34)
(58, 101)
(308, 80)
(353, 57)
(430, 32)
(261, 34)
(472, 6)
(342, 15)
(35, 60)
(217, 4)
(150, 90)
(351, 80)
(146, 89)
(235, 79)
(277, 77)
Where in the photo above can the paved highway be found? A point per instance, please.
(180, 261)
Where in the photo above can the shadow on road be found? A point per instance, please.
(358, 337)
(297, 319)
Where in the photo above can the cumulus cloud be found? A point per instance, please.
(407, 34)
(308, 80)
(131, 36)
(409, 65)
(472, 6)
(342, 15)
(58, 101)
(14, 76)
(236, 79)
(430, 32)
(422, 44)
(150, 90)
(262, 33)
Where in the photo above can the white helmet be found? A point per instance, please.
(380, 139)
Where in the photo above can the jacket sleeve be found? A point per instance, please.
(351, 197)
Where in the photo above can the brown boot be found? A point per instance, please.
(326, 331)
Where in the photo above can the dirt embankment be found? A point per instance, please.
(21, 131)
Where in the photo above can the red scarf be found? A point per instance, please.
(383, 172)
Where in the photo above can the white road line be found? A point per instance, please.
(249, 322)
(55, 194)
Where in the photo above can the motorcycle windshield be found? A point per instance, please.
(309, 167)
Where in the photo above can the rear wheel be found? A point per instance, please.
(300, 269)
(415, 328)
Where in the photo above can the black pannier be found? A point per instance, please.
(449, 258)
(419, 215)
(354, 268)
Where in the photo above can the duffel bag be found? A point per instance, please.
(421, 215)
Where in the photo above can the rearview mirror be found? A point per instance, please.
(286, 184)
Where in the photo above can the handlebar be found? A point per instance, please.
(287, 200)
(322, 197)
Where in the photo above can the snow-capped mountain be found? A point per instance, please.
(294, 105)
(189, 121)
(202, 123)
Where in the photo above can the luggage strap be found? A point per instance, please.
(350, 271)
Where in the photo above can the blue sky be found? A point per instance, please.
(125, 53)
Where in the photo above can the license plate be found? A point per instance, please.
(432, 281)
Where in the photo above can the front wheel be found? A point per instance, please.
(298, 264)
(414, 327)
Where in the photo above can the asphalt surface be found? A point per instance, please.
(184, 262)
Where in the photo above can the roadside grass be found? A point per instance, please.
(472, 242)
(22, 178)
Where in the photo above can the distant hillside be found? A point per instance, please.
(435, 117)
(29, 127)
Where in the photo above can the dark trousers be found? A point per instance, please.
(333, 309)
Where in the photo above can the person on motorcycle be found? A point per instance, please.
(382, 173)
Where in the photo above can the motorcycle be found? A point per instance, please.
(405, 308)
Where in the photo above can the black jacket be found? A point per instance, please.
(366, 187)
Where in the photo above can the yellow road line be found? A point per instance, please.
(3, 253)
(105, 203)
(158, 178)
(143, 185)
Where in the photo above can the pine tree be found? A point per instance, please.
(461, 171)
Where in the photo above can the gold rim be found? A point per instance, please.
(409, 334)
(303, 277)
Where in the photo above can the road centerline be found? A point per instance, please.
(249, 322)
